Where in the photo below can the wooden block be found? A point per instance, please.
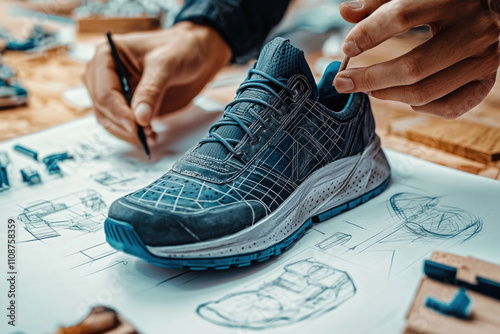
(117, 25)
(423, 320)
(485, 310)
(479, 142)
(468, 267)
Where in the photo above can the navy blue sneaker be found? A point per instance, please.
(286, 154)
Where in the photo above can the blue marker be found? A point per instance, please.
(31, 176)
(52, 160)
(26, 151)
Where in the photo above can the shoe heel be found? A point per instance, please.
(360, 186)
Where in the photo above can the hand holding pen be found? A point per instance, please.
(165, 69)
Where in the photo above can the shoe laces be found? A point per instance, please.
(233, 119)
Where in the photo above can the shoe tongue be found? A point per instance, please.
(279, 59)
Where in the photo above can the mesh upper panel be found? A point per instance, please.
(281, 60)
(174, 190)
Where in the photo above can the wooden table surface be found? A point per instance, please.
(47, 76)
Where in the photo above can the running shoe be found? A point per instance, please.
(286, 153)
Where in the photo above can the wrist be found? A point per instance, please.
(212, 43)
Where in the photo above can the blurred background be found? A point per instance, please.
(44, 45)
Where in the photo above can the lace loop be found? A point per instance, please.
(241, 121)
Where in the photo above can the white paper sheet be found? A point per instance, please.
(355, 273)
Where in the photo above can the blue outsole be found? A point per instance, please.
(122, 236)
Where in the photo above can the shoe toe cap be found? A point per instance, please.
(170, 227)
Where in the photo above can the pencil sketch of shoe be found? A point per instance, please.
(306, 289)
(420, 225)
(287, 153)
(423, 216)
(80, 211)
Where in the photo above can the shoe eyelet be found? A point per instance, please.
(297, 90)
(255, 140)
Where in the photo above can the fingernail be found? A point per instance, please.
(351, 48)
(128, 125)
(354, 4)
(143, 114)
(343, 84)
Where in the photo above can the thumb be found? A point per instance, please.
(148, 95)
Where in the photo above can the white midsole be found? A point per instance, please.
(330, 186)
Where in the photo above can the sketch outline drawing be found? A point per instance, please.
(83, 211)
(421, 225)
(425, 217)
(306, 289)
(338, 238)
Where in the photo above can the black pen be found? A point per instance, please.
(126, 90)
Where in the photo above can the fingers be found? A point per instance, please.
(355, 11)
(115, 128)
(441, 83)
(105, 89)
(153, 84)
(461, 100)
(393, 18)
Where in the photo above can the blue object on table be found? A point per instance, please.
(12, 93)
(448, 274)
(26, 151)
(51, 162)
(31, 176)
(4, 178)
(38, 37)
(459, 307)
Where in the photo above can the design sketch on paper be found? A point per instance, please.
(124, 180)
(83, 211)
(336, 239)
(423, 216)
(421, 224)
(305, 289)
(97, 258)
(94, 253)
(96, 146)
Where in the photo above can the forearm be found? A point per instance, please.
(243, 24)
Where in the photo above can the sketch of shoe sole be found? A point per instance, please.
(425, 217)
(306, 289)
(287, 153)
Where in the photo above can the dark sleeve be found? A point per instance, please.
(243, 24)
